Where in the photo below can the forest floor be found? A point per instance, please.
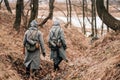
(97, 61)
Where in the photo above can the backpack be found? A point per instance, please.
(29, 46)
(55, 41)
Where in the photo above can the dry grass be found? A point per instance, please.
(98, 62)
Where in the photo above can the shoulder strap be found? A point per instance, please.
(54, 32)
(33, 33)
(57, 33)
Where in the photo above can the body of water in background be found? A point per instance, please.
(77, 23)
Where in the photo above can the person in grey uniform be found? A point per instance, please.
(57, 44)
(33, 37)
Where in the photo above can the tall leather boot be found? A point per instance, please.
(55, 67)
(27, 72)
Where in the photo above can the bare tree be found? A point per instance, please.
(25, 15)
(102, 26)
(25, 19)
(70, 8)
(108, 19)
(94, 12)
(34, 10)
(92, 27)
(107, 3)
(50, 15)
(67, 10)
(1, 3)
(84, 31)
(7, 6)
(19, 11)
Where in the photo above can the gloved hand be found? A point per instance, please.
(66, 60)
(44, 54)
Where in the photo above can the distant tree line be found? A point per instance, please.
(96, 6)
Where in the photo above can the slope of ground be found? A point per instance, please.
(101, 61)
(98, 62)
(11, 46)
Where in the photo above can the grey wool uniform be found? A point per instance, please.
(32, 59)
(60, 54)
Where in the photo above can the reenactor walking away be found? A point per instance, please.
(33, 42)
(57, 44)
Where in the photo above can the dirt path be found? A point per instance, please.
(11, 51)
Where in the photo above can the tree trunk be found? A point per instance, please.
(84, 17)
(51, 7)
(34, 10)
(50, 16)
(19, 10)
(67, 10)
(7, 6)
(92, 12)
(107, 3)
(108, 19)
(102, 26)
(94, 24)
(1, 3)
(70, 8)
